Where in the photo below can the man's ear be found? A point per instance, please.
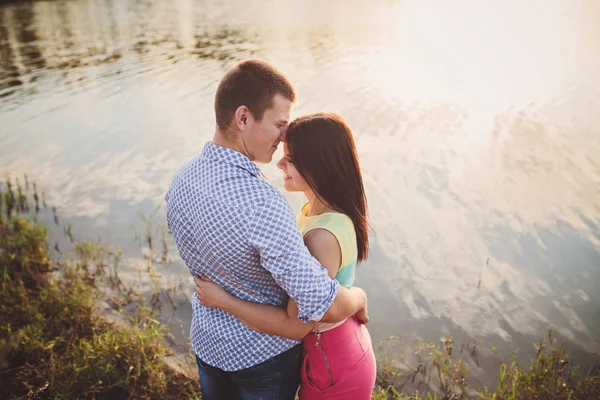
(242, 117)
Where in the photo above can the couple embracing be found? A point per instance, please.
(276, 313)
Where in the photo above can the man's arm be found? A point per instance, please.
(265, 318)
(347, 302)
(274, 233)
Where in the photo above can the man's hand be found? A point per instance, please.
(210, 294)
(363, 316)
(347, 302)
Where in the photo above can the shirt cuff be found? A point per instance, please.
(317, 314)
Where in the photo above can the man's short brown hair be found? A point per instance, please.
(251, 83)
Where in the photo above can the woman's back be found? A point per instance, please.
(341, 226)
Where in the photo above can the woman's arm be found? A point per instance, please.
(264, 318)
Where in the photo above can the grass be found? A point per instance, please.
(439, 375)
(54, 343)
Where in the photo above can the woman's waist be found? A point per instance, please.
(327, 326)
(335, 334)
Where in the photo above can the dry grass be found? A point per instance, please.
(53, 343)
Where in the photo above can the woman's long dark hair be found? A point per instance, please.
(322, 149)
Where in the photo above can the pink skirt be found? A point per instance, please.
(338, 365)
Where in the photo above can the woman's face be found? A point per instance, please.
(292, 180)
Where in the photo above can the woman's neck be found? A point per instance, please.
(315, 205)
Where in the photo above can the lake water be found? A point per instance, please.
(477, 124)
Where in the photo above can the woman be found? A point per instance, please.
(320, 160)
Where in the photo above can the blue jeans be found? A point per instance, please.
(278, 378)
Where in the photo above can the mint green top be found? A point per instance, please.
(342, 228)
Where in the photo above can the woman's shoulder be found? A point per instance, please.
(320, 237)
(340, 224)
(324, 246)
(334, 226)
(332, 219)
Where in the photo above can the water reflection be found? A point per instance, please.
(477, 134)
(9, 74)
(74, 50)
(31, 56)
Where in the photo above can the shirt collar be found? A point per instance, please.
(231, 157)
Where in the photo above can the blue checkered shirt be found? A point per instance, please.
(232, 226)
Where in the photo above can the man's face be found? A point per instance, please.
(262, 138)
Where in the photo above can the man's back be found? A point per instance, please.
(223, 215)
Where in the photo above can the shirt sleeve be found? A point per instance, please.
(274, 233)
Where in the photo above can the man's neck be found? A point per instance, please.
(229, 140)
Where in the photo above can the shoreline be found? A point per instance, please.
(71, 320)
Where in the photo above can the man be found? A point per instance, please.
(232, 226)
